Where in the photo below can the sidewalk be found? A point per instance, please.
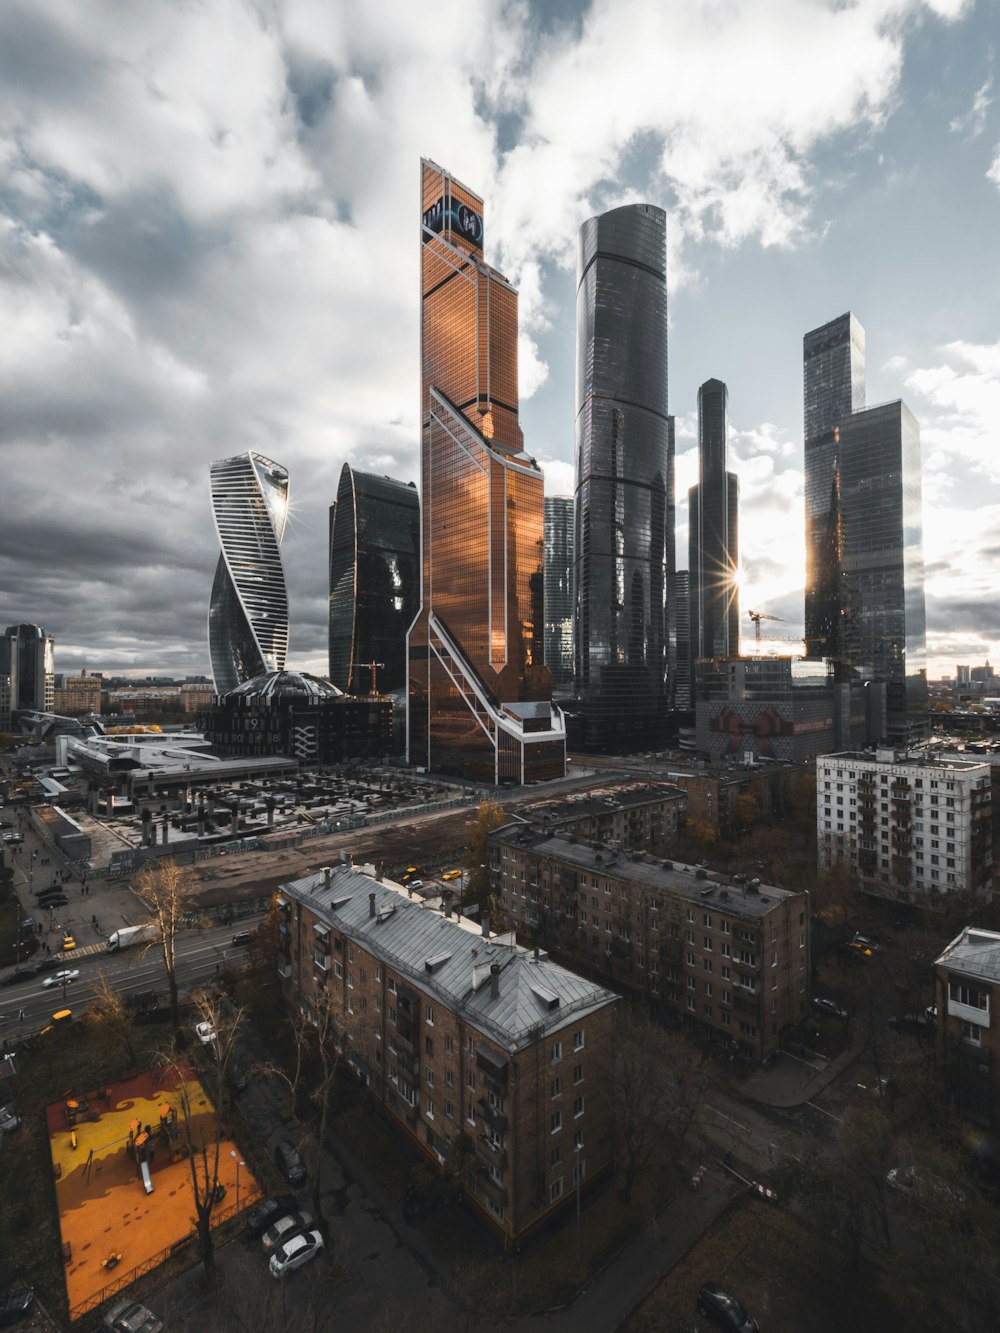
(790, 1081)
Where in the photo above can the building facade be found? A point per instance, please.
(908, 828)
(713, 533)
(299, 715)
(27, 672)
(479, 693)
(727, 956)
(559, 592)
(496, 1063)
(374, 580)
(637, 817)
(78, 694)
(624, 545)
(967, 993)
(765, 708)
(248, 611)
(864, 599)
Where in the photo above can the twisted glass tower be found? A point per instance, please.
(479, 693)
(248, 613)
(624, 480)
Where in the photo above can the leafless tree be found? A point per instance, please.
(166, 892)
(109, 1013)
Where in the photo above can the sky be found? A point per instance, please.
(209, 242)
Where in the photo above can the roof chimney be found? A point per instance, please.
(446, 902)
(327, 872)
(371, 904)
(495, 981)
(379, 870)
(486, 927)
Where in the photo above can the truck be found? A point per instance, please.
(126, 936)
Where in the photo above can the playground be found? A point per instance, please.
(123, 1178)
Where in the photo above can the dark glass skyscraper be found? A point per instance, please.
(374, 579)
(864, 601)
(624, 480)
(479, 692)
(248, 611)
(713, 533)
(559, 591)
(27, 672)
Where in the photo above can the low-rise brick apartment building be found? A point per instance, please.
(727, 956)
(967, 991)
(713, 792)
(495, 1062)
(638, 816)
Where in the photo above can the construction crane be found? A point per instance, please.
(374, 667)
(757, 617)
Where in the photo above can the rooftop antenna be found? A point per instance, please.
(374, 667)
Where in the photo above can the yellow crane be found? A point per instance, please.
(757, 617)
(374, 666)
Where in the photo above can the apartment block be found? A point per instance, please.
(638, 817)
(727, 956)
(967, 984)
(907, 827)
(493, 1060)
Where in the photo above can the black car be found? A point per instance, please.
(830, 1007)
(14, 1305)
(47, 965)
(53, 899)
(263, 1214)
(289, 1162)
(19, 974)
(724, 1310)
(242, 938)
(918, 1023)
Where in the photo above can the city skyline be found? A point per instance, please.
(198, 264)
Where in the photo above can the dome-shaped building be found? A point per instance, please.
(300, 715)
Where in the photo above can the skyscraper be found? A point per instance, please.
(559, 591)
(27, 672)
(479, 692)
(624, 480)
(374, 579)
(248, 611)
(864, 599)
(713, 533)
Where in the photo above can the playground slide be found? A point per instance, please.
(145, 1178)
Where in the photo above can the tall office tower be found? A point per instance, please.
(374, 580)
(479, 692)
(624, 480)
(559, 591)
(713, 533)
(864, 598)
(681, 696)
(27, 672)
(248, 612)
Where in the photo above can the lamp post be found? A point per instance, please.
(236, 1158)
(578, 1149)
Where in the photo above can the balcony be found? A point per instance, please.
(968, 1013)
(494, 1119)
(489, 1155)
(498, 1193)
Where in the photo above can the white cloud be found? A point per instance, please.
(972, 124)
(993, 172)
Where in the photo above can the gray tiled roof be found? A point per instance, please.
(974, 953)
(447, 960)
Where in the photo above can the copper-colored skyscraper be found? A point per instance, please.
(479, 692)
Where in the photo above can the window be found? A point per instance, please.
(449, 1078)
(391, 986)
(470, 1078)
(449, 1046)
(578, 1073)
(972, 1033)
(430, 1015)
(338, 971)
(449, 1110)
(555, 1190)
(555, 1156)
(429, 1045)
(971, 996)
(555, 1122)
(578, 1040)
(429, 1109)
(577, 1107)
(378, 974)
(555, 1087)
(707, 943)
(556, 1053)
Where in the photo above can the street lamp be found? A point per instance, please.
(578, 1149)
(236, 1158)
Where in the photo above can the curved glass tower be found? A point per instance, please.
(248, 613)
(624, 479)
(374, 579)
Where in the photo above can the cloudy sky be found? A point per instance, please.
(209, 211)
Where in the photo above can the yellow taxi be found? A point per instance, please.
(451, 874)
(68, 943)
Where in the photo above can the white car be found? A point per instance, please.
(131, 1317)
(57, 978)
(295, 1252)
(280, 1231)
(205, 1033)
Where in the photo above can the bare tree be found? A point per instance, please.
(167, 893)
(204, 1150)
(108, 1012)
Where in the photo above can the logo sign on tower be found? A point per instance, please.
(459, 218)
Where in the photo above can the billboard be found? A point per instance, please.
(459, 218)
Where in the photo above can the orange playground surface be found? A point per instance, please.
(112, 1223)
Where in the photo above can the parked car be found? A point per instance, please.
(14, 1305)
(867, 941)
(53, 899)
(295, 1252)
(289, 1162)
(919, 1023)
(130, 1317)
(19, 974)
(923, 1187)
(64, 974)
(724, 1310)
(46, 965)
(8, 1120)
(237, 1076)
(830, 1007)
(205, 1033)
(262, 1214)
(285, 1228)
